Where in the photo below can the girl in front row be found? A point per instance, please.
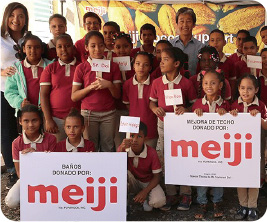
(97, 91)
(213, 85)
(248, 102)
(32, 138)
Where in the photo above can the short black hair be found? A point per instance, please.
(163, 41)
(217, 31)
(246, 32)
(250, 39)
(58, 16)
(91, 14)
(263, 28)
(64, 36)
(186, 10)
(143, 128)
(113, 24)
(148, 26)
(91, 34)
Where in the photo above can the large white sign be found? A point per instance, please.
(73, 186)
(212, 150)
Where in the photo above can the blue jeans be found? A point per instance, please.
(202, 194)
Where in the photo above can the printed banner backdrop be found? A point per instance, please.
(212, 150)
(73, 186)
(132, 15)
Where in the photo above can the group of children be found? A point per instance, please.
(82, 107)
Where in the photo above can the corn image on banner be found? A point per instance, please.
(132, 15)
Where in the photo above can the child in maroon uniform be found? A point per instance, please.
(74, 127)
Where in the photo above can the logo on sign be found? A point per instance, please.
(213, 146)
(74, 190)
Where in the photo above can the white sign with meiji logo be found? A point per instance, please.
(123, 62)
(254, 61)
(173, 97)
(129, 124)
(212, 150)
(73, 186)
(101, 65)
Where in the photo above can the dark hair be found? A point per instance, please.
(212, 51)
(59, 17)
(178, 55)
(64, 36)
(30, 109)
(8, 11)
(114, 25)
(75, 113)
(149, 55)
(143, 128)
(250, 39)
(148, 26)
(217, 31)
(220, 76)
(91, 14)
(89, 35)
(263, 50)
(246, 32)
(186, 10)
(263, 28)
(121, 35)
(254, 80)
(163, 41)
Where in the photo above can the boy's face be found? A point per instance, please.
(264, 36)
(65, 50)
(138, 142)
(142, 66)
(159, 48)
(73, 128)
(264, 60)
(148, 37)
(57, 27)
(217, 41)
(249, 48)
(239, 41)
(91, 24)
(108, 33)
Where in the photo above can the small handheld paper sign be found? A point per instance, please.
(101, 65)
(254, 61)
(173, 97)
(123, 62)
(129, 124)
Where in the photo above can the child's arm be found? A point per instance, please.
(264, 123)
(16, 164)
(126, 143)
(114, 88)
(142, 195)
(78, 93)
(159, 111)
(50, 125)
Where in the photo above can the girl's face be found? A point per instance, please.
(17, 20)
(247, 90)
(206, 63)
(264, 60)
(159, 48)
(142, 66)
(95, 47)
(65, 50)
(33, 50)
(57, 27)
(211, 84)
(30, 122)
(167, 63)
(122, 47)
(73, 127)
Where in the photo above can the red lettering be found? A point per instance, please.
(206, 148)
(66, 193)
(42, 191)
(184, 146)
(101, 196)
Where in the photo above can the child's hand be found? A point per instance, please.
(179, 110)
(159, 111)
(51, 126)
(199, 112)
(221, 111)
(234, 112)
(141, 196)
(254, 112)
(126, 143)
(92, 86)
(9, 71)
(28, 150)
(25, 102)
(102, 83)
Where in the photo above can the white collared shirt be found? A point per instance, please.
(171, 83)
(34, 68)
(136, 157)
(254, 102)
(33, 143)
(71, 148)
(51, 44)
(141, 86)
(67, 66)
(109, 55)
(212, 106)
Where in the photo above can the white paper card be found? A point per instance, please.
(129, 124)
(123, 62)
(254, 61)
(173, 97)
(101, 65)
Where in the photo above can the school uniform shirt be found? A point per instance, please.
(180, 82)
(96, 100)
(243, 107)
(227, 66)
(144, 165)
(196, 80)
(263, 87)
(241, 68)
(83, 146)
(81, 53)
(109, 54)
(51, 51)
(137, 95)
(59, 76)
(45, 142)
(205, 105)
(235, 57)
